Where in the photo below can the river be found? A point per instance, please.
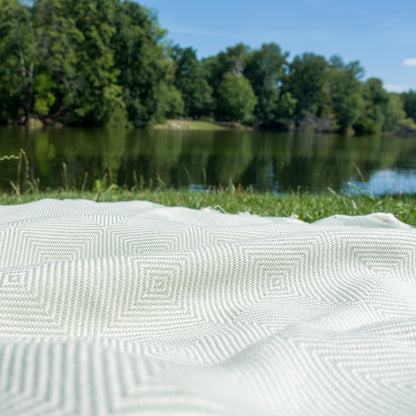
(265, 161)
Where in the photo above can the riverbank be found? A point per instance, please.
(200, 125)
(306, 207)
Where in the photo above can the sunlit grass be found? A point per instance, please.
(190, 125)
(308, 207)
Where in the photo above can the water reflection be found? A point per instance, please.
(279, 162)
(388, 181)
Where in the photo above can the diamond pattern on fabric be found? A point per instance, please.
(135, 308)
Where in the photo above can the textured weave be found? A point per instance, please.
(135, 308)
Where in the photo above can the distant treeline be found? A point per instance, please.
(106, 63)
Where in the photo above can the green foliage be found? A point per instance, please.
(17, 54)
(409, 101)
(235, 59)
(191, 82)
(265, 70)
(407, 125)
(394, 114)
(366, 125)
(375, 99)
(307, 83)
(44, 98)
(118, 117)
(170, 103)
(285, 111)
(383, 112)
(142, 62)
(91, 62)
(346, 93)
(105, 63)
(97, 74)
(236, 97)
(232, 61)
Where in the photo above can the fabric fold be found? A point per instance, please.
(135, 308)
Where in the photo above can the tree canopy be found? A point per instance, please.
(107, 62)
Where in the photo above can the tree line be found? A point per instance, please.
(107, 63)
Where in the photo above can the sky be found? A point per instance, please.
(381, 34)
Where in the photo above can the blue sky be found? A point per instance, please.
(381, 34)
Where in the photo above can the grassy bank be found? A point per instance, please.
(199, 125)
(308, 207)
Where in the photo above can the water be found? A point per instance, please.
(272, 161)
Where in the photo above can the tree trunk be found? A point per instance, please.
(28, 102)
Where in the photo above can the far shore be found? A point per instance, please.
(178, 124)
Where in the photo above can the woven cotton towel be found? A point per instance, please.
(133, 308)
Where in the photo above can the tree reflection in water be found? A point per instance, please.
(267, 161)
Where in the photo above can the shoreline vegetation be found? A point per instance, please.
(197, 125)
(107, 63)
(189, 125)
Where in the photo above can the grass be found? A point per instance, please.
(199, 125)
(308, 207)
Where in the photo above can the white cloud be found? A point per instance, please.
(409, 62)
(396, 88)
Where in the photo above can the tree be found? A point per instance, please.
(40, 55)
(11, 88)
(98, 95)
(284, 111)
(90, 62)
(169, 104)
(409, 101)
(395, 116)
(372, 119)
(145, 74)
(57, 83)
(236, 97)
(265, 70)
(233, 61)
(191, 82)
(23, 52)
(307, 83)
(346, 93)
(104, 62)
